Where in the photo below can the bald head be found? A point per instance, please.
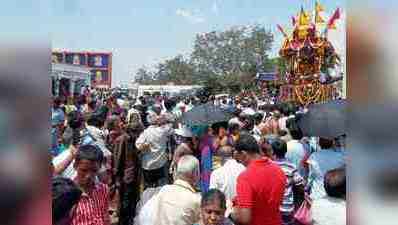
(225, 152)
(188, 168)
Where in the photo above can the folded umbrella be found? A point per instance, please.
(328, 120)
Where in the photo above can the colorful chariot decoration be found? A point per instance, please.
(309, 56)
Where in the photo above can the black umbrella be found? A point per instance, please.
(326, 120)
(205, 114)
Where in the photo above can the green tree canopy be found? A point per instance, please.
(232, 51)
(220, 60)
(144, 76)
(177, 70)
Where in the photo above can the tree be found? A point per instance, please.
(222, 61)
(144, 76)
(177, 70)
(235, 50)
(231, 56)
(280, 65)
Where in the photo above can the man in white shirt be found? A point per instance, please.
(179, 203)
(153, 144)
(225, 177)
(257, 133)
(296, 151)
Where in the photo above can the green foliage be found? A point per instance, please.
(144, 76)
(281, 66)
(177, 70)
(223, 61)
(233, 51)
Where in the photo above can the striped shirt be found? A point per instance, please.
(293, 178)
(92, 208)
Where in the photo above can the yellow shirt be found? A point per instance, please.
(178, 204)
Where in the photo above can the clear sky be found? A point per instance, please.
(143, 32)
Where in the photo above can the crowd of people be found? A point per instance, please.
(126, 161)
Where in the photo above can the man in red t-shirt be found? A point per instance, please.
(260, 187)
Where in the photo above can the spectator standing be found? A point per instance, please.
(331, 209)
(65, 196)
(225, 177)
(213, 207)
(257, 202)
(294, 182)
(93, 205)
(296, 151)
(320, 163)
(179, 203)
(153, 145)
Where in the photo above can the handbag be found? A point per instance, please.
(303, 214)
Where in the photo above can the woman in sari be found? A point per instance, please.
(209, 160)
(206, 148)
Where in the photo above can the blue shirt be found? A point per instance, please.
(54, 142)
(296, 152)
(57, 116)
(320, 163)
